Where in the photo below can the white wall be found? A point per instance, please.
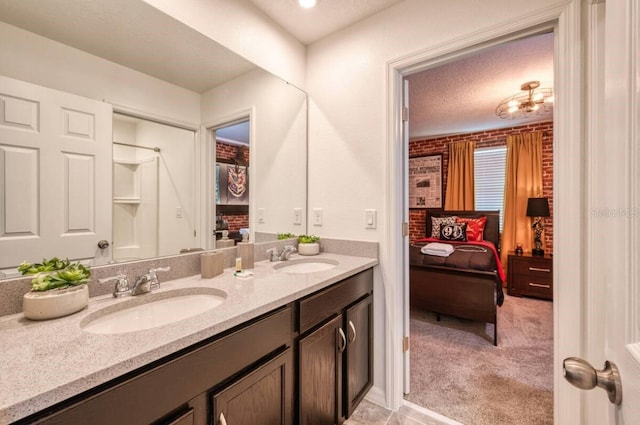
(277, 174)
(347, 86)
(51, 64)
(242, 28)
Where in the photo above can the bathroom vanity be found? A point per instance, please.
(282, 348)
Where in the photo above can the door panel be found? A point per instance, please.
(55, 175)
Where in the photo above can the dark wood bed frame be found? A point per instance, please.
(461, 293)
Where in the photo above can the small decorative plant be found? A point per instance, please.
(286, 236)
(308, 245)
(308, 239)
(55, 274)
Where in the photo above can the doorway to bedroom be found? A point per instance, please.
(454, 368)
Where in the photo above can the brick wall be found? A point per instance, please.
(485, 139)
(236, 221)
(230, 152)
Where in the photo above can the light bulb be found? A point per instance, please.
(549, 99)
(512, 109)
(537, 97)
(307, 4)
(513, 104)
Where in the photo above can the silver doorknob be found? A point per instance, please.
(103, 244)
(581, 374)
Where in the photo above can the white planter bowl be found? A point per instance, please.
(308, 248)
(53, 304)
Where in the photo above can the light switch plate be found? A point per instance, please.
(370, 219)
(317, 216)
(260, 215)
(297, 216)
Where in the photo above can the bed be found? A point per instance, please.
(472, 292)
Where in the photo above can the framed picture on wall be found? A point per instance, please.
(425, 181)
(232, 184)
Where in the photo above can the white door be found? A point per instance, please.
(405, 219)
(612, 292)
(55, 174)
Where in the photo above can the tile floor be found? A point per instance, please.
(371, 414)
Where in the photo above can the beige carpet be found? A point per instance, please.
(457, 372)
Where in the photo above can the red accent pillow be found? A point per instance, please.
(475, 227)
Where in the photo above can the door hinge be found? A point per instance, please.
(194, 233)
(405, 344)
(405, 114)
(405, 229)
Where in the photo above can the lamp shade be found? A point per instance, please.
(538, 207)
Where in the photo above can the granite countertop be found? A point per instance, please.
(45, 362)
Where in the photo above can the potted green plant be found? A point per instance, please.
(308, 245)
(58, 288)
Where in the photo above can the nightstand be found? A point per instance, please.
(530, 275)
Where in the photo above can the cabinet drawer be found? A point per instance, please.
(327, 302)
(542, 286)
(536, 269)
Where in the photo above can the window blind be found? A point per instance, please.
(489, 175)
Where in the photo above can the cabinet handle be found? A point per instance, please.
(538, 269)
(222, 420)
(342, 344)
(353, 330)
(539, 285)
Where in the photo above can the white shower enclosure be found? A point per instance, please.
(154, 208)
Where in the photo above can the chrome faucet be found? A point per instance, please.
(284, 255)
(145, 283)
(122, 284)
(148, 282)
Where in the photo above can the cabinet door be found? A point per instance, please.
(359, 357)
(320, 374)
(263, 396)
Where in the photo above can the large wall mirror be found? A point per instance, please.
(135, 103)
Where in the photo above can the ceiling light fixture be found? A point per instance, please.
(531, 101)
(307, 4)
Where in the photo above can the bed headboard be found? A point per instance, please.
(491, 228)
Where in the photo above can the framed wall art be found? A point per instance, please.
(425, 181)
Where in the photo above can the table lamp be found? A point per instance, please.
(538, 208)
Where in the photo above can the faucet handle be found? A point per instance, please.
(122, 285)
(118, 277)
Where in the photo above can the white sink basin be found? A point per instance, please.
(152, 310)
(306, 265)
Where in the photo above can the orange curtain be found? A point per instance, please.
(523, 180)
(460, 186)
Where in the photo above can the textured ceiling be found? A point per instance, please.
(461, 96)
(328, 16)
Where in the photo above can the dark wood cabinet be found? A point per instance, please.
(530, 275)
(336, 350)
(359, 353)
(309, 362)
(320, 374)
(263, 396)
(174, 391)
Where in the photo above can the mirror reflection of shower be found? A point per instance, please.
(232, 183)
(154, 189)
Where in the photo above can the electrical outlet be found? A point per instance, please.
(297, 216)
(370, 219)
(317, 217)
